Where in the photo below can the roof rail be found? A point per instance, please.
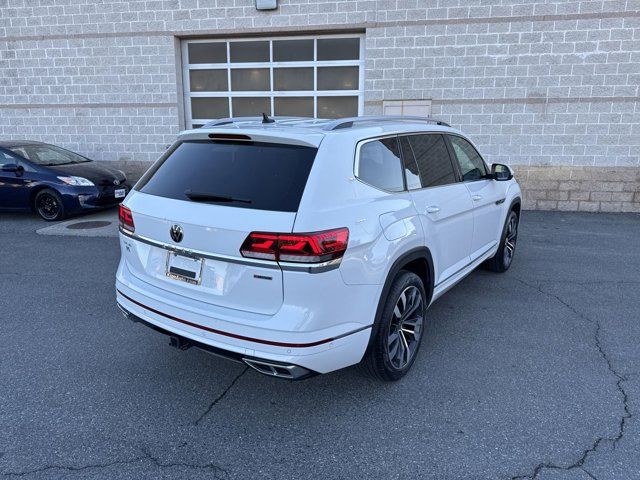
(351, 121)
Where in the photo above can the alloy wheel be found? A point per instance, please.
(48, 206)
(405, 328)
(510, 240)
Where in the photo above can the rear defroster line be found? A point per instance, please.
(241, 337)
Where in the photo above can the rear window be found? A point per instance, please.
(262, 176)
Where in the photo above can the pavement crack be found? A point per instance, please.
(219, 472)
(219, 398)
(69, 468)
(589, 474)
(620, 379)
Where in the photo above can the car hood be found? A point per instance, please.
(97, 172)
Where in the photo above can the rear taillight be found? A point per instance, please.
(297, 247)
(126, 219)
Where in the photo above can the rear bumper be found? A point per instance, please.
(265, 366)
(318, 351)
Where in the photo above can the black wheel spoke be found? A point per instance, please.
(405, 328)
(47, 206)
(510, 238)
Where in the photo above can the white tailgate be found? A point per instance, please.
(215, 230)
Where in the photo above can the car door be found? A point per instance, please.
(13, 192)
(486, 194)
(442, 201)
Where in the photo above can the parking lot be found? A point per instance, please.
(530, 374)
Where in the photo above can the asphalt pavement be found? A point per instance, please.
(530, 374)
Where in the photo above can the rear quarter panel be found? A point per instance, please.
(382, 226)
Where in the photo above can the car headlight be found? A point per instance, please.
(77, 181)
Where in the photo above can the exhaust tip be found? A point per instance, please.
(288, 372)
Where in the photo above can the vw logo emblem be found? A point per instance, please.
(116, 182)
(176, 233)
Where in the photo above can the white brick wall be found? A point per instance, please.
(534, 82)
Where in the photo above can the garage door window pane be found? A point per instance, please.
(319, 76)
(292, 79)
(293, 50)
(338, 49)
(204, 108)
(293, 106)
(337, 107)
(208, 81)
(250, 79)
(338, 78)
(250, 106)
(249, 52)
(208, 52)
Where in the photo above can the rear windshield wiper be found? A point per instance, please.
(212, 197)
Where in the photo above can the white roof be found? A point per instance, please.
(310, 131)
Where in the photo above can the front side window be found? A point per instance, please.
(471, 164)
(256, 175)
(379, 165)
(432, 157)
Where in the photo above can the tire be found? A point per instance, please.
(48, 204)
(503, 258)
(392, 335)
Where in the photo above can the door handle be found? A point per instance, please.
(476, 198)
(433, 209)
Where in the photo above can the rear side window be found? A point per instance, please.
(411, 172)
(471, 164)
(380, 166)
(262, 176)
(432, 157)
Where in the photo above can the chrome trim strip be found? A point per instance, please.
(353, 331)
(311, 267)
(187, 252)
(466, 266)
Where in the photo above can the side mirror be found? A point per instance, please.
(12, 167)
(500, 172)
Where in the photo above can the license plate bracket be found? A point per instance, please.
(183, 268)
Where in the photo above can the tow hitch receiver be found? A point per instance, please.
(180, 343)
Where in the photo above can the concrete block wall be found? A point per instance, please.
(535, 83)
(585, 189)
(111, 98)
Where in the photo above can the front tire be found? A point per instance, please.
(48, 204)
(503, 258)
(398, 334)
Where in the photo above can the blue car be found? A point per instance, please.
(55, 182)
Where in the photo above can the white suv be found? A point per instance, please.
(301, 246)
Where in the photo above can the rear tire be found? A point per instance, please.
(48, 204)
(398, 333)
(503, 258)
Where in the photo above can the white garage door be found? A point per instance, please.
(320, 76)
